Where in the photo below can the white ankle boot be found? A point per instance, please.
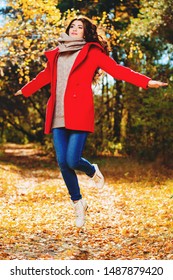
(80, 207)
(98, 178)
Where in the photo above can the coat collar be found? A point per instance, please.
(83, 54)
(52, 54)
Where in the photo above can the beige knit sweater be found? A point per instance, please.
(69, 49)
(64, 65)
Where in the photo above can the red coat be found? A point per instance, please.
(78, 100)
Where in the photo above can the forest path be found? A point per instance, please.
(131, 218)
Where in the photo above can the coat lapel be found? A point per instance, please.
(51, 54)
(80, 58)
(83, 54)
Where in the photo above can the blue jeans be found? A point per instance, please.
(69, 145)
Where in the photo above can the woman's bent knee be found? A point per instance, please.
(73, 164)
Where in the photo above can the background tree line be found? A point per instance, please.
(128, 120)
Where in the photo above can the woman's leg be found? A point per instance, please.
(69, 146)
(61, 142)
(75, 161)
(75, 149)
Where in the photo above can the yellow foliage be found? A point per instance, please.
(135, 50)
(35, 8)
(36, 25)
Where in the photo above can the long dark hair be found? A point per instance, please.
(90, 32)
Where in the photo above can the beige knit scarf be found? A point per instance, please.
(67, 43)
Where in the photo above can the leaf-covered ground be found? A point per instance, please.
(131, 218)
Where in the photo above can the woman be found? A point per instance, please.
(70, 70)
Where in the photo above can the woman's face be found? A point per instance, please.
(76, 29)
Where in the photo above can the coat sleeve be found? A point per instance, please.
(120, 72)
(42, 79)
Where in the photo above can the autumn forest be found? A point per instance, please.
(131, 218)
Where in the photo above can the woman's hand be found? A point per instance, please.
(156, 84)
(19, 92)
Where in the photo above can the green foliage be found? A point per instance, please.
(149, 131)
